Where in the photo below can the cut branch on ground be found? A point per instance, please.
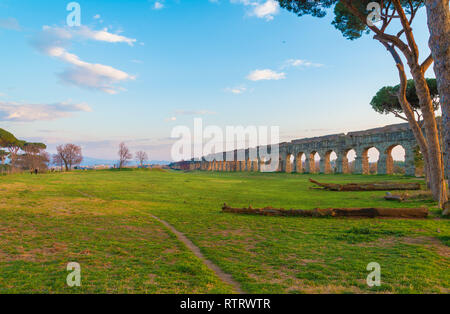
(370, 212)
(380, 186)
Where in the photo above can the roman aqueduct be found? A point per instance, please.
(300, 155)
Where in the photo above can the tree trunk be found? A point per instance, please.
(413, 123)
(439, 26)
(435, 164)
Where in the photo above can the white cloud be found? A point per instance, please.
(261, 9)
(84, 74)
(57, 36)
(97, 16)
(300, 63)
(267, 9)
(52, 42)
(158, 5)
(33, 112)
(103, 35)
(260, 75)
(236, 90)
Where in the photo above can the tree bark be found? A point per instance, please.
(438, 14)
(408, 111)
(435, 163)
(438, 186)
(414, 125)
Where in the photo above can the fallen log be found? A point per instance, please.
(378, 186)
(393, 197)
(370, 212)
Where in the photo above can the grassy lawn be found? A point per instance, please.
(100, 220)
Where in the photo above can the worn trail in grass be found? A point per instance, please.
(100, 220)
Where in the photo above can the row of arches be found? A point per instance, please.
(394, 159)
(370, 161)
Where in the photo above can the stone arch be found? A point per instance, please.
(248, 165)
(369, 159)
(395, 152)
(345, 160)
(280, 164)
(299, 159)
(289, 163)
(242, 165)
(263, 161)
(255, 165)
(311, 159)
(325, 162)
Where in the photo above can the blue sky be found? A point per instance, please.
(136, 69)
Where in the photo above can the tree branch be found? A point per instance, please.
(399, 115)
(427, 63)
(379, 34)
(408, 30)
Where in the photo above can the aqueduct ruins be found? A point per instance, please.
(300, 155)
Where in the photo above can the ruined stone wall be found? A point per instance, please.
(383, 139)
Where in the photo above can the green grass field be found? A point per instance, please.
(101, 220)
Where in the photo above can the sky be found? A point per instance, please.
(134, 70)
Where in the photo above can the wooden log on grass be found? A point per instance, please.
(378, 186)
(370, 212)
(393, 197)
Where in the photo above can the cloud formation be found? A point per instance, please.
(10, 111)
(236, 90)
(158, 5)
(52, 41)
(261, 9)
(261, 75)
(300, 63)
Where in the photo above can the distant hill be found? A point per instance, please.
(89, 161)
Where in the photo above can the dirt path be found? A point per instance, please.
(227, 278)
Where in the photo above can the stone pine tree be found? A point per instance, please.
(386, 101)
(357, 17)
(10, 142)
(3, 155)
(35, 156)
